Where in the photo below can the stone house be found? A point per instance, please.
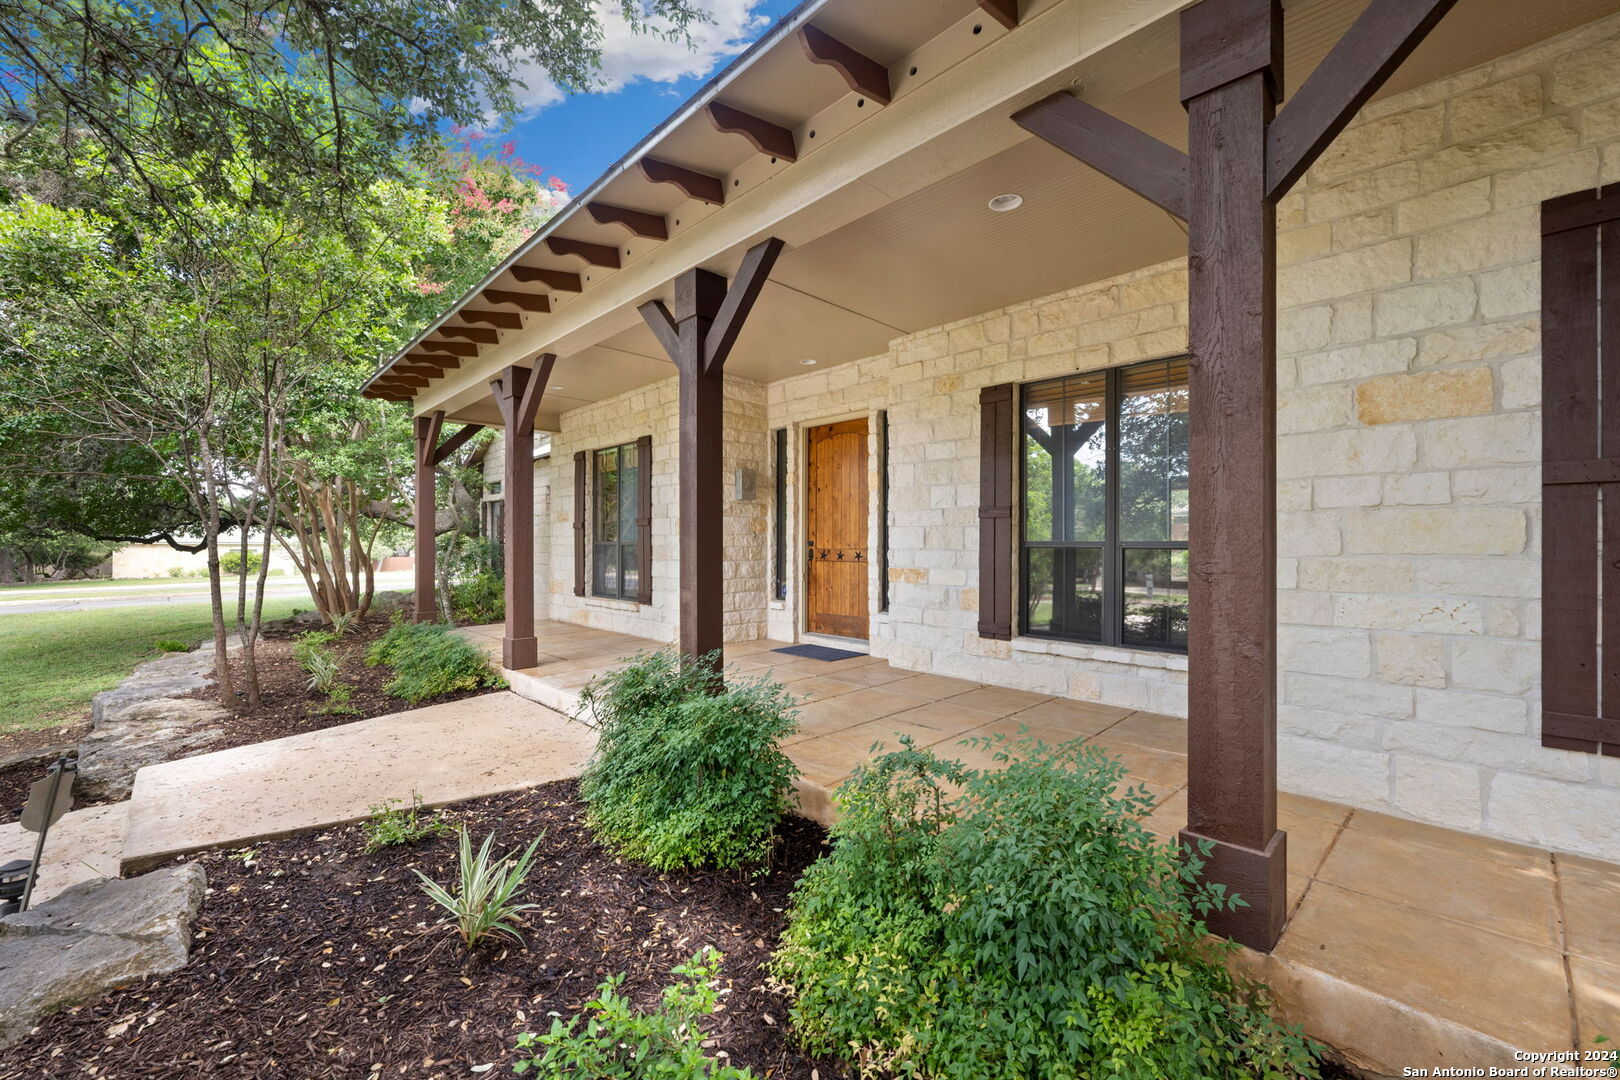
(952, 412)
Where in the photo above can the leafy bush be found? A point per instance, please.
(178, 571)
(483, 903)
(621, 1041)
(231, 561)
(310, 642)
(685, 776)
(429, 661)
(344, 621)
(392, 824)
(479, 598)
(323, 667)
(339, 698)
(170, 645)
(1029, 926)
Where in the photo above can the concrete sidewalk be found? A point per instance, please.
(445, 753)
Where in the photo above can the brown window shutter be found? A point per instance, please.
(644, 518)
(996, 511)
(1580, 392)
(579, 523)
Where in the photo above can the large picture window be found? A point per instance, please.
(615, 556)
(1104, 541)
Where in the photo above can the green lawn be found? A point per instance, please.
(52, 663)
(99, 583)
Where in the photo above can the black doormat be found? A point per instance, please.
(819, 652)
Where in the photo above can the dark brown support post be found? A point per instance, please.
(427, 440)
(1230, 72)
(698, 338)
(518, 392)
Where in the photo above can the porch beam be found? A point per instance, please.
(762, 135)
(561, 280)
(454, 348)
(704, 303)
(442, 452)
(469, 333)
(426, 429)
(861, 73)
(640, 223)
(435, 359)
(503, 320)
(1360, 63)
(518, 391)
(595, 254)
(1231, 66)
(692, 184)
(1154, 170)
(1004, 12)
(528, 301)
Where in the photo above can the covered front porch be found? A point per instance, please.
(1405, 944)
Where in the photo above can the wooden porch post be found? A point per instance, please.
(427, 439)
(517, 393)
(699, 337)
(1230, 73)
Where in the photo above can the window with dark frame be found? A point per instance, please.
(779, 554)
(615, 569)
(1104, 507)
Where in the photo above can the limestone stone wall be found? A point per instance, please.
(1409, 449)
(652, 410)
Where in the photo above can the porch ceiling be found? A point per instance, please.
(910, 243)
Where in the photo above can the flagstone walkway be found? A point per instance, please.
(1407, 945)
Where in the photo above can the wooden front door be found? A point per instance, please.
(835, 536)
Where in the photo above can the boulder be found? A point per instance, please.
(93, 936)
(145, 720)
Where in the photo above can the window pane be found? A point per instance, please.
(1156, 598)
(629, 492)
(630, 574)
(1064, 592)
(607, 495)
(1065, 459)
(605, 569)
(1153, 452)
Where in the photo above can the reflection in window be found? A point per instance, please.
(615, 571)
(1105, 506)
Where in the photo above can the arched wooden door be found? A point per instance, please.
(835, 531)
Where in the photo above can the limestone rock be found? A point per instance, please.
(93, 936)
(145, 720)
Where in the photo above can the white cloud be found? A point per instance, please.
(629, 57)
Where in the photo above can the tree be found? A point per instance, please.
(322, 95)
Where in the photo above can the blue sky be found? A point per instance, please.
(576, 138)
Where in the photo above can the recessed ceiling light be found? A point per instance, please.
(808, 362)
(1002, 203)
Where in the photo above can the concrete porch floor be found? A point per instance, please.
(1407, 945)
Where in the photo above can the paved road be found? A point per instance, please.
(25, 601)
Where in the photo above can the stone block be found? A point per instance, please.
(1326, 770)
(1346, 453)
(1582, 818)
(1504, 237)
(1511, 148)
(1521, 484)
(1465, 344)
(1424, 307)
(1357, 361)
(1490, 108)
(1411, 659)
(1358, 194)
(1497, 439)
(1494, 750)
(1312, 408)
(1359, 229)
(1417, 489)
(1505, 667)
(1435, 208)
(1560, 176)
(1445, 793)
(1332, 725)
(1431, 614)
(1362, 270)
(1585, 74)
(1521, 382)
(1426, 395)
(1379, 142)
(1352, 320)
(1356, 575)
(1340, 491)
(1298, 245)
(1515, 290)
(1299, 329)
(1453, 530)
(1347, 695)
(1308, 533)
(1482, 712)
(1321, 650)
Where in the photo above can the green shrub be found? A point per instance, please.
(429, 661)
(170, 645)
(178, 571)
(483, 902)
(1028, 926)
(231, 561)
(621, 1042)
(392, 824)
(323, 667)
(309, 643)
(683, 777)
(479, 598)
(344, 621)
(339, 698)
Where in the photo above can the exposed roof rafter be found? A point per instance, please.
(528, 301)
(764, 136)
(863, 74)
(646, 225)
(695, 185)
(595, 254)
(505, 320)
(561, 280)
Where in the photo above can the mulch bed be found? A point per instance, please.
(315, 960)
